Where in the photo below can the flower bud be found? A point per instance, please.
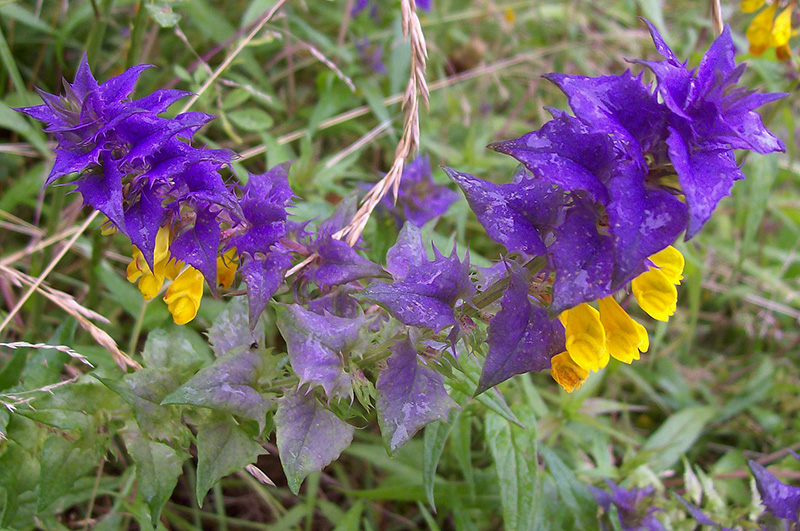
(566, 372)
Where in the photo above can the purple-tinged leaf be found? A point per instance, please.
(615, 104)
(583, 259)
(698, 514)
(231, 329)
(309, 437)
(780, 499)
(263, 276)
(407, 253)
(102, 190)
(199, 245)
(410, 396)
(419, 198)
(339, 303)
(634, 507)
(565, 152)
(705, 176)
(263, 206)
(338, 263)
(522, 338)
(120, 87)
(143, 218)
(229, 385)
(427, 294)
(512, 213)
(317, 346)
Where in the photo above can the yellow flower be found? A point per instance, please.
(226, 268)
(150, 282)
(173, 268)
(759, 33)
(586, 337)
(566, 372)
(748, 6)
(671, 262)
(655, 290)
(656, 294)
(624, 336)
(184, 294)
(782, 29)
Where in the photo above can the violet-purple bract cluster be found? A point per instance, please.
(627, 174)
(601, 196)
(780, 500)
(634, 507)
(139, 169)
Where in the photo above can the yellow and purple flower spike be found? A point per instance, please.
(168, 197)
(604, 193)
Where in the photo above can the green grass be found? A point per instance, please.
(720, 384)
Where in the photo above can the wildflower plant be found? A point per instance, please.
(587, 221)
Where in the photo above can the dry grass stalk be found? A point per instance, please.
(416, 89)
(61, 348)
(83, 315)
(716, 16)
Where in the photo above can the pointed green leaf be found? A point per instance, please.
(62, 463)
(158, 467)
(222, 448)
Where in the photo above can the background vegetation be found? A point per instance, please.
(719, 385)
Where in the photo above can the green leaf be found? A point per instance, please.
(678, 433)
(163, 14)
(571, 491)
(158, 467)
(78, 406)
(63, 462)
(175, 347)
(251, 119)
(229, 385)
(222, 448)
(434, 440)
(11, 372)
(352, 517)
(461, 440)
(143, 391)
(516, 484)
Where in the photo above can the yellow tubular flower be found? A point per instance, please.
(748, 6)
(566, 372)
(183, 296)
(226, 268)
(656, 294)
(782, 29)
(173, 268)
(759, 33)
(150, 282)
(670, 261)
(586, 338)
(624, 338)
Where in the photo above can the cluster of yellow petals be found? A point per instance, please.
(768, 31)
(184, 294)
(593, 336)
